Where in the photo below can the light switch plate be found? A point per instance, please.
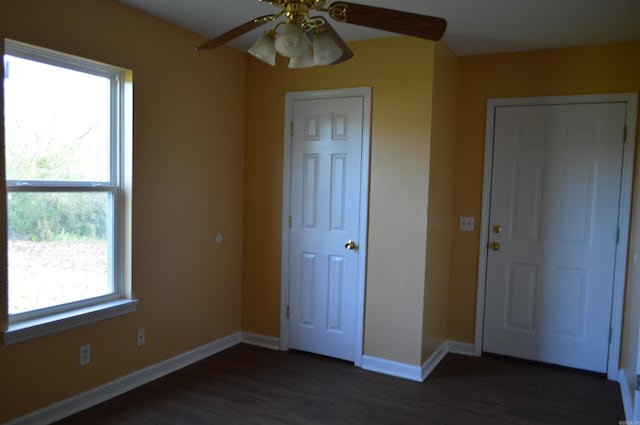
(85, 355)
(140, 338)
(467, 224)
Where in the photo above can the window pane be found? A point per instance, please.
(57, 248)
(56, 122)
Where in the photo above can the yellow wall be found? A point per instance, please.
(192, 176)
(400, 70)
(584, 70)
(188, 178)
(440, 222)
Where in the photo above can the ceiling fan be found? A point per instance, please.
(310, 40)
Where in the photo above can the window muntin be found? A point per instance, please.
(63, 150)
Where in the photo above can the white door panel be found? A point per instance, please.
(325, 200)
(555, 195)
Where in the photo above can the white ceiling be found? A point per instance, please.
(474, 26)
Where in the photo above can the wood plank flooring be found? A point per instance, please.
(251, 385)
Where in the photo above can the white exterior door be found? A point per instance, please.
(553, 230)
(325, 238)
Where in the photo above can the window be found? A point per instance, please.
(66, 175)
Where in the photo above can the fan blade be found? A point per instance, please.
(422, 26)
(236, 32)
(346, 51)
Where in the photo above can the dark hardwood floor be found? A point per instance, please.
(250, 385)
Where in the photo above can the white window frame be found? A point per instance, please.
(30, 324)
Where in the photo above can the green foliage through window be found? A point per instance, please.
(57, 216)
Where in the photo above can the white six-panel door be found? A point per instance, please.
(553, 230)
(324, 235)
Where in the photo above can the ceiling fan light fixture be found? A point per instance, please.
(265, 49)
(292, 42)
(304, 61)
(325, 49)
(303, 34)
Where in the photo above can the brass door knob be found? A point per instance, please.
(495, 246)
(350, 245)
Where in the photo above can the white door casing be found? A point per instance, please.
(324, 206)
(546, 295)
(636, 398)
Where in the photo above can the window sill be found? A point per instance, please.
(36, 328)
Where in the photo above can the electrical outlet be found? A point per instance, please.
(140, 337)
(467, 224)
(85, 355)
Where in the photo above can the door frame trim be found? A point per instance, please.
(624, 212)
(290, 97)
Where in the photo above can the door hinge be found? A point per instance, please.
(289, 221)
(291, 129)
(288, 312)
(610, 334)
(618, 235)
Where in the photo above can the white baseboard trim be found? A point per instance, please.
(434, 360)
(416, 373)
(120, 386)
(129, 382)
(446, 347)
(263, 341)
(463, 348)
(393, 368)
(627, 400)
